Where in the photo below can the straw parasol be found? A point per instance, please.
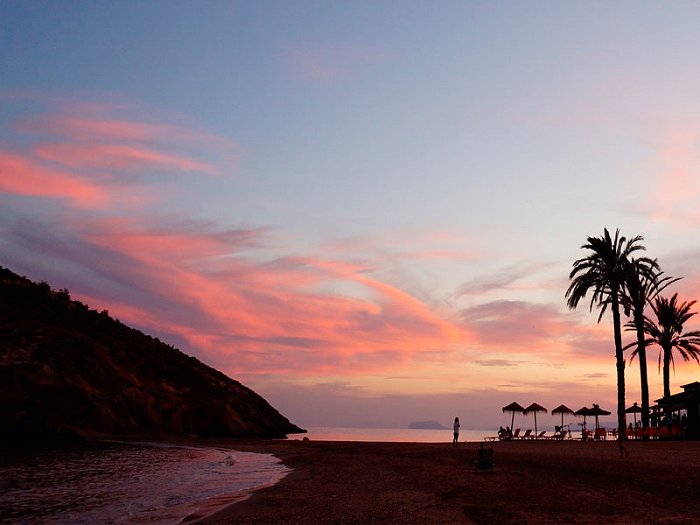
(534, 408)
(583, 411)
(634, 409)
(597, 411)
(562, 409)
(513, 407)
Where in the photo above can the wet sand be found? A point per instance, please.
(533, 482)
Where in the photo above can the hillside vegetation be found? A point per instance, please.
(67, 371)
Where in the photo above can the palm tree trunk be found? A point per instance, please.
(642, 354)
(620, 365)
(667, 372)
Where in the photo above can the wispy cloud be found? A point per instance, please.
(495, 281)
(239, 297)
(95, 123)
(517, 323)
(495, 362)
(122, 135)
(116, 156)
(329, 63)
(23, 175)
(217, 291)
(254, 316)
(514, 277)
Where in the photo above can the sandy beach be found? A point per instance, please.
(533, 482)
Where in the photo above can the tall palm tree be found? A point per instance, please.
(603, 273)
(643, 282)
(667, 333)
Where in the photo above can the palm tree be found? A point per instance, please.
(643, 282)
(668, 334)
(603, 272)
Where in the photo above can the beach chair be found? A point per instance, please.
(516, 434)
(527, 434)
(484, 459)
(541, 435)
(600, 434)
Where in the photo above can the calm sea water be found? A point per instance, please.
(124, 483)
(403, 435)
(130, 483)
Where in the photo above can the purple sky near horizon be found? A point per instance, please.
(366, 212)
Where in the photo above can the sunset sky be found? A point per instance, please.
(365, 211)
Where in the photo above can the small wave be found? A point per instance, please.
(126, 483)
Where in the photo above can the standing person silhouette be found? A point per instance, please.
(455, 439)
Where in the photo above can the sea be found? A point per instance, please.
(401, 435)
(151, 482)
(126, 483)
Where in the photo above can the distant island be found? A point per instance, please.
(69, 372)
(427, 425)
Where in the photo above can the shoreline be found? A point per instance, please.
(214, 506)
(202, 509)
(533, 482)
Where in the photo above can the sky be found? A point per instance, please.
(365, 211)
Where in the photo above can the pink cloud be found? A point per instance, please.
(217, 292)
(97, 124)
(115, 156)
(518, 327)
(23, 176)
(279, 316)
(123, 137)
(93, 157)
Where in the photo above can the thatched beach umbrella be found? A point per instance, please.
(583, 411)
(534, 408)
(513, 407)
(562, 409)
(597, 411)
(634, 409)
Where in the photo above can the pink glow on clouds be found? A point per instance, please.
(220, 291)
(252, 309)
(115, 156)
(20, 175)
(74, 167)
(679, 186)
(90, 136)
(99, 125)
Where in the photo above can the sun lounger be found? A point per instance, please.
(516, 434)
(541, 435)
(527, 434)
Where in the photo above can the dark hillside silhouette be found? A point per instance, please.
(66, 371)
